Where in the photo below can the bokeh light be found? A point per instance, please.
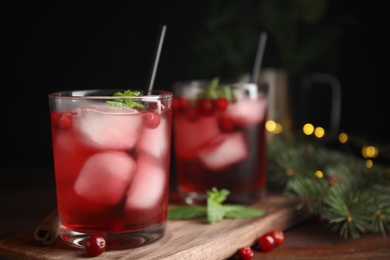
(369, 163)
(369, 151)
(273, 127)
(308, 129)
(319, 174)
(319, 132)
(343, 138)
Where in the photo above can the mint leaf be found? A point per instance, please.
(214, 211)
(238, 211)
(214, 83)
(126, 102)
(210, 91)
(216, 90)
(217, 196)
(227, 92)
(187, 212)
(127, 93)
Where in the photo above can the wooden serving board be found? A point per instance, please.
(184, 239)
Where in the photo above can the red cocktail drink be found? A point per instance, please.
(219, 137)
(112, 159)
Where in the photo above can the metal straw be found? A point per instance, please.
(259, 57)
(153, 75)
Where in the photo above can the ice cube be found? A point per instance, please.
(247, 112)
(155, 141)
(105, 177)
(224, 151)
(148, 185)
(191, 135)
(105, 127)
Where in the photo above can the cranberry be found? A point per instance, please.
(180, 104)
(62, 120)
(266, 242)
(205, 106)
(278, 236)
(95, 245)
(245, 253)
(221, 104)
(152, 119)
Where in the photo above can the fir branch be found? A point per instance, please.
(345, 211)
(311, 193)
(336, 186)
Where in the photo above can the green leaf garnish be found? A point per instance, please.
(214, 91)
(187, 212)
(215, 211)
(238, 211)
(126, 102)
(216, 195)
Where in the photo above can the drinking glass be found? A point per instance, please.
(111, 152)
(219, 140)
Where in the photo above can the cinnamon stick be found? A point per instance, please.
(47, 231)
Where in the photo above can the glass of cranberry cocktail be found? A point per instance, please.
(111, 151)
(219, 140)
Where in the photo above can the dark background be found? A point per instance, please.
(68, 45)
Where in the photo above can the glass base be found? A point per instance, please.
(195, 198)
(116, 240)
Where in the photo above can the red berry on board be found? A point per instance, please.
(221, 103)
(205, 106)
(245, 253)
(278, 236)
(152, 119)
(266, 242)
(95, 245)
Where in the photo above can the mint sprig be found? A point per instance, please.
(126, 102)
(215, 210)
(216, 90)
(187, 212)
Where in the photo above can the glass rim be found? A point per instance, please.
(101, 94)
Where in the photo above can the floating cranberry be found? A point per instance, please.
(62, 120)
(95, 245)
(221, 104)
(245, 253)
(266, 242)
(152, 119)
(180, 104)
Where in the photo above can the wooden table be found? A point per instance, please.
(312, 241)
(26, 199)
